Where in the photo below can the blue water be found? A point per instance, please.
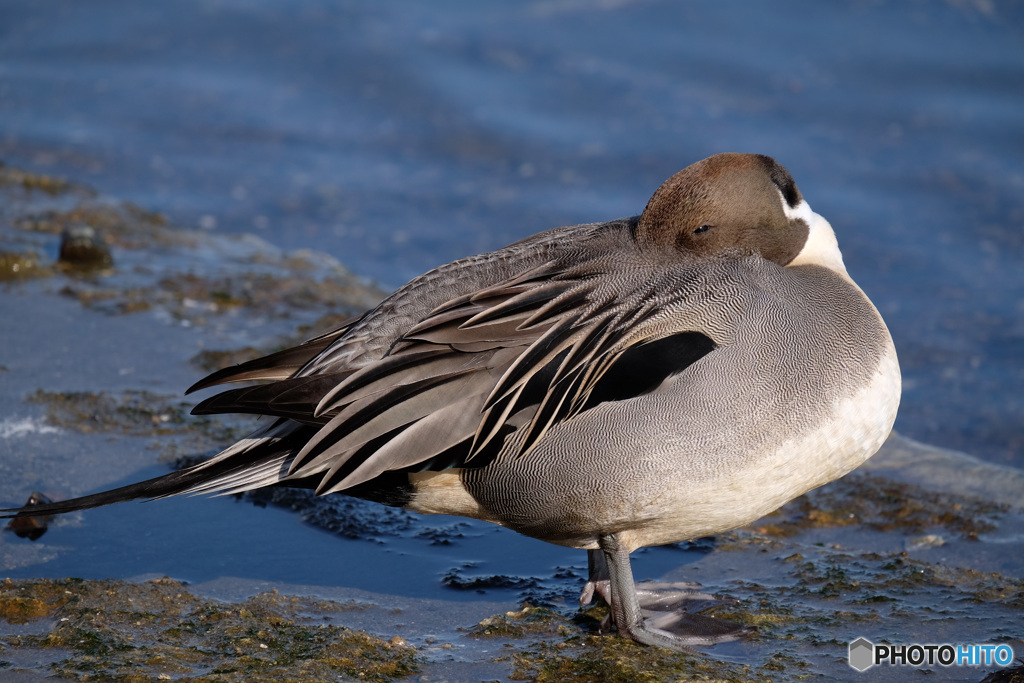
(400, 135)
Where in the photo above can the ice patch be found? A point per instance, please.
(23, 426)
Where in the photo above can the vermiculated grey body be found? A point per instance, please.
(783, 371)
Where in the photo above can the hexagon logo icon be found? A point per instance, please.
(862, 654)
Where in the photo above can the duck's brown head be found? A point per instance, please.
(743, 202)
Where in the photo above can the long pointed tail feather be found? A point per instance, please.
(170, 484)
(252, 463)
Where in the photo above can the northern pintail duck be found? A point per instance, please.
(607, 386)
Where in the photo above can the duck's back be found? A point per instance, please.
(373, 335)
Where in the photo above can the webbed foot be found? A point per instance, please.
(653, 613)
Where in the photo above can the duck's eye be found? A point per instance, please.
(703, 228)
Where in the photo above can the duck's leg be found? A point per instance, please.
(663, 602)
(598, 581)
(628, 616)
(652, 595)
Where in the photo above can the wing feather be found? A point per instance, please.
(393, 409)
(523, 355)
(276, 366)
(427, 437)
(489, 371)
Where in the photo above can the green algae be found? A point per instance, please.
(517, 624)
(861, 500)
(122, 631)
(123, 224)
(557, 648)
(622, 661)
(133, 413)
(251, 275)
(261, 292)
(1014, 674)
(51, 185)
(139, 413)
(22, 266)
(194, 300)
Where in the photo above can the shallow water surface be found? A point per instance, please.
(398, 136)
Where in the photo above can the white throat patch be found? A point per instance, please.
(821, 248)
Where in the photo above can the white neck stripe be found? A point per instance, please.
(821, 248)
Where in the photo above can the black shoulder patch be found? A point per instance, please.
(642, 368)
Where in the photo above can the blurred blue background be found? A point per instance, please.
(401, 135)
